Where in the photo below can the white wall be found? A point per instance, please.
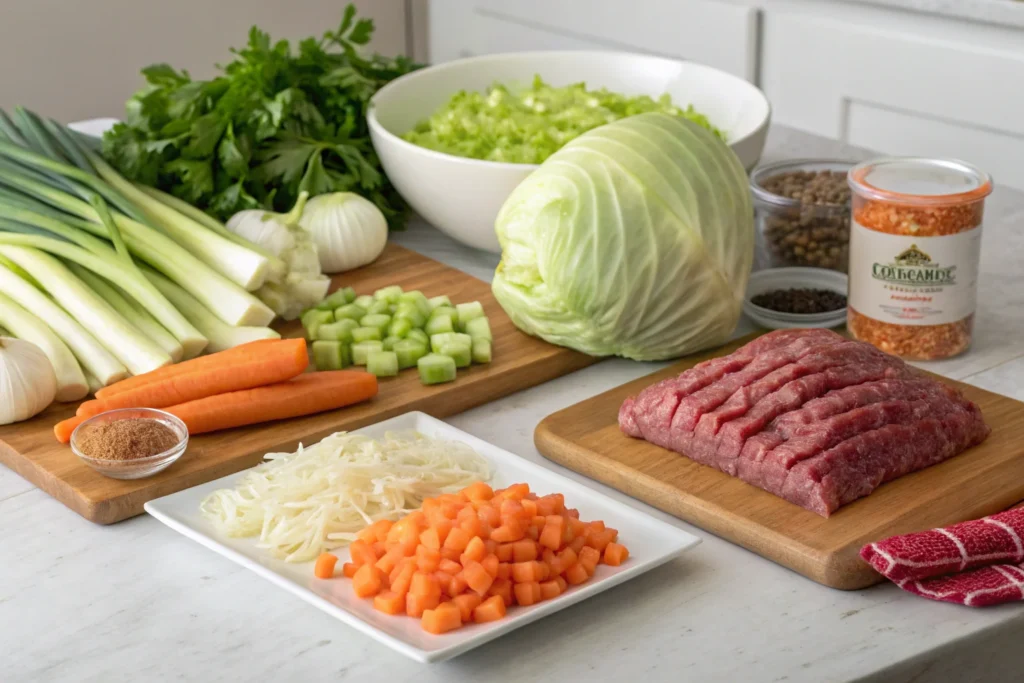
(76, 59)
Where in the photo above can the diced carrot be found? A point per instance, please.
(362, 553)
(451, 554)
(475, 551)
(490, 516)
(402, 581)
(512, 530)
(562, 583)
(491, 609)
(445, 617)
(504, 552)
(527, 593)
(491, 547)
(390, 560)
(576, 574)
(457, 540)
(379, 549)
(550, 589)
(477, 577)
(516, 491)
(443, 527)
(503, 588)
(551, 536)
(324, 567)
(523, 572)
(538, 521)
(450, 510)
(458, 585)
(416, 605)
(445, 581)
(490, 563)
(504, 570)
(409, 541)
(427, 559)
(368, 581)
(578, 543)
(431, 539)
(478, 491)
(348, 569)
(599, 540)
(512, 510)
(615, 554)
(466, 603)
(578, 527)
(589, 558)
(389, 602)
(551, 504)
(524, 551)
(367, 535)
(567, 557)
(473, 526)
(452, 568)
(530, 506)
(572, 513)
(425, 584)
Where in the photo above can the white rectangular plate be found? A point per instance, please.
(651, 543)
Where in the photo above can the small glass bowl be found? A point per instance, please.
(139, 467)
(794, 278)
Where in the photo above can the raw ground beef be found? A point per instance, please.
(807, 415)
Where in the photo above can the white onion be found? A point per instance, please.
(27, 381)
(316, 499)
(349, 231)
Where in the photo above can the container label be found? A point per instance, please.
(908, 280)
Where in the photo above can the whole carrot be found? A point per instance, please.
(242, 351)
(314, 392)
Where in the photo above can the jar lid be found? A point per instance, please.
(919, 180)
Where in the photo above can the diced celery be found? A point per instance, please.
(439, 301)
(409, 351)
(389, 343)
(481, 350)
(439, 325)
(382, 363)
(361, 350)
(436, 340)
(379, 320)
(399, 327)
(336, 299)
(331, 355)
(444, 310)
(479, 328)
(436, 369)
(364, 302)
(380, 307)
(313, 319)
(361, 334)
(350, 311)
(469, 311)
(392, 308)
(416, 298)
(420, 336)
(389, 294)
(410, 312)
(460, 353)
(340, 331)
(350, 295)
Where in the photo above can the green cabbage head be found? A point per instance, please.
(635, 239)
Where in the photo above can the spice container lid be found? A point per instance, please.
(919, 180)
(763, 173)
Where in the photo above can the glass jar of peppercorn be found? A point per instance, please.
(802, 212)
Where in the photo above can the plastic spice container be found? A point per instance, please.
(915, 243)
(802, 211)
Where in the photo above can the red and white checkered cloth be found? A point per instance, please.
(975, 563)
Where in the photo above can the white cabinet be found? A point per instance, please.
(903, 83)
(720, 33)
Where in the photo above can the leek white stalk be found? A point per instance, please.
(132, 312)
(71, 383)
(221, 336)
(129, 345)
(27, 381)
(93, 356)
(349, 231)
(93, 383)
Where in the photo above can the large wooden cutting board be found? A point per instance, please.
(986, 479)
(519, 362)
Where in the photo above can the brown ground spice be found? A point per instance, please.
(128, 439)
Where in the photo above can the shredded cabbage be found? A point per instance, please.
(316, 499)
(526, 126)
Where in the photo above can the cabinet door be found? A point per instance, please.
(897, 82)
(717, 33)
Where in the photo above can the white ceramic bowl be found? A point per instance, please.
(462, 196)
(764, 281)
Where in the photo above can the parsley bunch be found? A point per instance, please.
(274, 124)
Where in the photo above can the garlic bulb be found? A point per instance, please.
(349, 231)
(27, 381)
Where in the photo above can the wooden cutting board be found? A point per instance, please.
(520, 361)
(981, 481)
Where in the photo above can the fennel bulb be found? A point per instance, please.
(27, 381)
(349, 230)
(635, 239)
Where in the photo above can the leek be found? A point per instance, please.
(93, 383)
(92, 355)
(221, 336)
(138, 353)
(71, 384)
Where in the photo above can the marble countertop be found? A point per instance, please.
(137, 601)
